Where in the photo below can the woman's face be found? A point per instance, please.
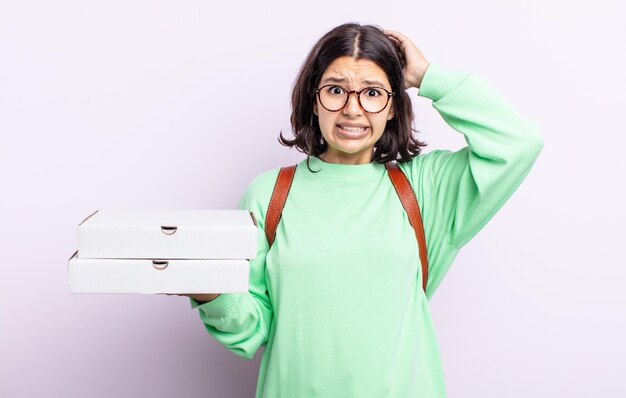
(355, 146)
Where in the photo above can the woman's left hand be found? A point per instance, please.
(416, 63)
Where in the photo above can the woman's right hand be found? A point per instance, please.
(200, 297)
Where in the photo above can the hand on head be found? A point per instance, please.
(416, 63)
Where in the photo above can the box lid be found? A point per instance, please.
(176, 218)
(125, 233)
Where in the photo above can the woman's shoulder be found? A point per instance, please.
(257, 194)
(419, 168)
(264, 181)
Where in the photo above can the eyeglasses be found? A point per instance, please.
(372, 99)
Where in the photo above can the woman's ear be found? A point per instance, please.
(392, 112)
(315, 109)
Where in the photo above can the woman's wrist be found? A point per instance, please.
(419, 74)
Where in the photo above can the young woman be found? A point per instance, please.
(338, 301)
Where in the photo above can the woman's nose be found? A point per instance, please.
(353, 107)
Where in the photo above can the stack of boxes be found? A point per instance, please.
(164, 251)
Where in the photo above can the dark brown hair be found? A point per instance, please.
(360, 42)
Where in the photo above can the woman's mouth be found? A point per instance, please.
(352, 132)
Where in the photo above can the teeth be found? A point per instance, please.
(352, 129)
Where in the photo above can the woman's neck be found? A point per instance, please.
(347, 158)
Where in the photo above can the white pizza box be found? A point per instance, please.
(168, 234)
(87, 275)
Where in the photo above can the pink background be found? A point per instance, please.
(178, 105)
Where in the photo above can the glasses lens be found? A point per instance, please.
(373, 99)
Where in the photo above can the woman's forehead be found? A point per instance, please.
(361, 71)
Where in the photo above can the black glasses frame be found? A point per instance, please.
(358, 97)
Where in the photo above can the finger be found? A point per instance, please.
(397, 44)
(396, 35)
(396, 41)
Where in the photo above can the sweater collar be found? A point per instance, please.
(343, 171)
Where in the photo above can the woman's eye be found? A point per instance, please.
(335, 90)
(373, 92)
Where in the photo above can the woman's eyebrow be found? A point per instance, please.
(332, 79)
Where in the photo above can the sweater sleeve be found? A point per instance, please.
(241, 322)
(470, 185)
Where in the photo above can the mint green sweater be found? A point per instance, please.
(337, 301)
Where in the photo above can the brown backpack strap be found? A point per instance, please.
(277, 201)
(409, 202)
